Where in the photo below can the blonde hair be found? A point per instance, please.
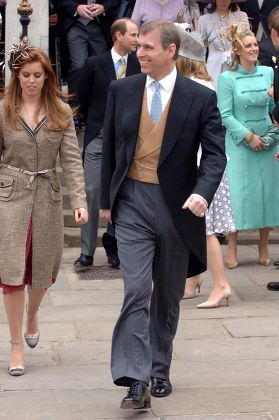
(237, 44)
(192, 68)
(58, 115)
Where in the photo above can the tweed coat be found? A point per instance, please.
(41, 201)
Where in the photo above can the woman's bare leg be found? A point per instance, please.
(14, 306)
(263, 246)
(221, 287)
(232, 250)
(35, 297)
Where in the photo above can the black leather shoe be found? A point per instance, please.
(110, 245)
(273, 285)
(276, 263)
(83, 261)
(221, 238)
(137, 397)
(113, 260)
(160, 387)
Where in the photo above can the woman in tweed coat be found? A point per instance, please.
(35, 127)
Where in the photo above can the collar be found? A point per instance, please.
(243, 70)
(167, 82)
(116, 57)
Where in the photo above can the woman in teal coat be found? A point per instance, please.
(253, 174)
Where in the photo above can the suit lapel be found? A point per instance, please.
(130, 65)
(179, 109)
(108, 67)
(131, 113)
(263, 4)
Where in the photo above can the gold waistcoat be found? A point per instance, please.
(150, 136)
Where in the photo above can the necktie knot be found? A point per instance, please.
(157, 86)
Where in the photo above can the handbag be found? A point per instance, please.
(272, 137)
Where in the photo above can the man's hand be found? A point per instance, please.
(277, 155)
(81, 216)
(53, 19)
(196, 204)
(84, 11)
(107, 215)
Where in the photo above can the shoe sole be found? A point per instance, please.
(135, 406)
(166, 394)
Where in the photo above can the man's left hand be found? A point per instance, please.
(196, 204)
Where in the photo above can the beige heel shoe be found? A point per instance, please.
(190, 294)
(231, 265)
(16, 370)
(209, 304)
(264, 261)
(31, 339)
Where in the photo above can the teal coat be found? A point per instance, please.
(253, 176)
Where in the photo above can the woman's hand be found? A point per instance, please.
(256, 143)
(81, 216)
(270, 92)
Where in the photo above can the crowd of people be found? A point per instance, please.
(169, 171)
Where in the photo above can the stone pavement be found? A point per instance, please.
(225, 361)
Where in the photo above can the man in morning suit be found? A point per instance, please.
(95, 77)
(258, 12)
(273, 21)
(156, 197)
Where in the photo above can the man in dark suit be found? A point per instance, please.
(273, 21)
(258, 11)
(156, 197)
(94, 80)
(126, 8)
(86, 27)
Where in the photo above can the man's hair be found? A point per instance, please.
(273, 19)
(168, 33)
(120, 25)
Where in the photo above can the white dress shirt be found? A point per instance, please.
(116, 57)
(166, 88)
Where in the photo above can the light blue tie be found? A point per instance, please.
(156, 103)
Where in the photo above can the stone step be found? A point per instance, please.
(72, 237)
(69, 219)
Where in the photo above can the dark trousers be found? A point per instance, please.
(83, 41)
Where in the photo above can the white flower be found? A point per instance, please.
(274, 59)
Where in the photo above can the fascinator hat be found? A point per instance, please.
(192, 45)
(18, 55)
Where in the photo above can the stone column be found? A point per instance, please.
(37, 28)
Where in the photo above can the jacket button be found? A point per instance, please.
(2, 184)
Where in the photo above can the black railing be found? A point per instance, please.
(24, 10)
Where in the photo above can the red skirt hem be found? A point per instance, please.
(27, 280)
